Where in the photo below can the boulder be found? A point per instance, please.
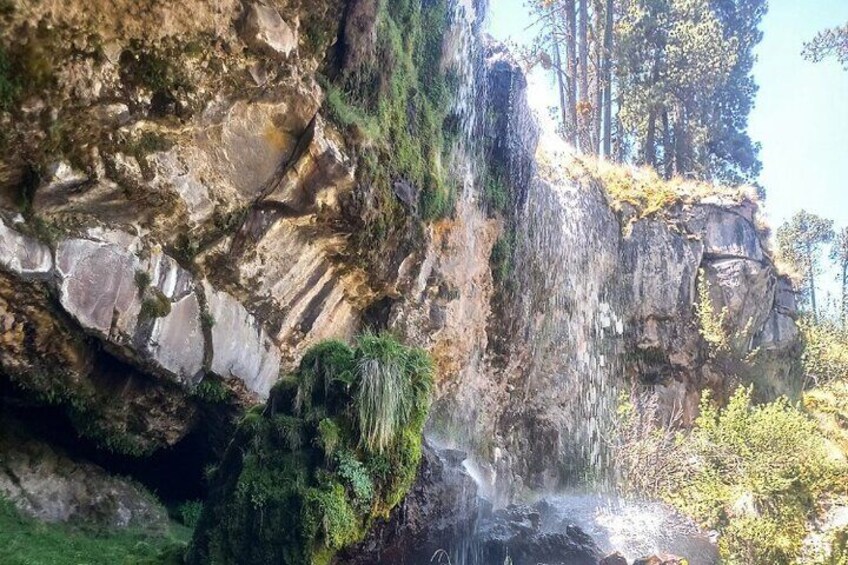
(46, 483)
(515, 532)
(264, 30)
(97, 286)
(439, 513)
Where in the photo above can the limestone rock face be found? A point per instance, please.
(240, 347)
(23, 255)
(49, 485)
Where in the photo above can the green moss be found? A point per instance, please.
(156, 305)
(142, 280)
(399, 104)
(212, 391)
(502, 258)
(24, 541)
(9, 84)
(495, 194)
(304, 476)
(188, 512)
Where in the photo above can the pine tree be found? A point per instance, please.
(799, 242)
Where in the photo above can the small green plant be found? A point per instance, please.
(9, 85)
(207, 319)
(142, 281)
(189, 512)
(495, 194)
(503, 253)
(212, 390)
(155, 305)
(711, 324)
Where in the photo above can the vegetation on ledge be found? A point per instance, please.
(645, 192)
(336, 446)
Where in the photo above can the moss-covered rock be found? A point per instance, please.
(336, 446)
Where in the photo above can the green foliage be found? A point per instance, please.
(503, 253)
(155, 305)
(825, 357)
(399, 103)
(189, 512)
(393, 380)
(831, 42)
(9, 85)
(799, 242)
(757, 474)
(212, 390)
(142, 280)
(710, 322)
(307, 474)
(24, 541)
(495, 194)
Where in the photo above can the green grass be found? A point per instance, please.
(25, 541)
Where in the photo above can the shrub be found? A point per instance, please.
(189, 512)
(334, 448)
(757, 474)
(825, 355)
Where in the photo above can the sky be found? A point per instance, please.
(801, 110)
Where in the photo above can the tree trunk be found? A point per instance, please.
(571, 66)
(607, 115)
(598, 57)
(563, 102)
(812, 285)
(650, 140)
(668, 161)
(583, 47)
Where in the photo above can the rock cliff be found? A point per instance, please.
(191, 195)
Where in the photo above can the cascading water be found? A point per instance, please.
(555, 383)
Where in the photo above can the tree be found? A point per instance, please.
(839, 255)
(827, 43)
(799, 242)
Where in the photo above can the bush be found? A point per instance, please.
(189, 512)
(337, 446)
(757, 474)
(825, 355)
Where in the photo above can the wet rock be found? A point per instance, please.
(407, 193)
(439, 513)
(240, 347)
(515, 533)
(613, 559)
(47, 484)
(23, 255)
(62, 176)
(661, 559)
(265, 31)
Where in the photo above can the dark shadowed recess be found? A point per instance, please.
(174, 474)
